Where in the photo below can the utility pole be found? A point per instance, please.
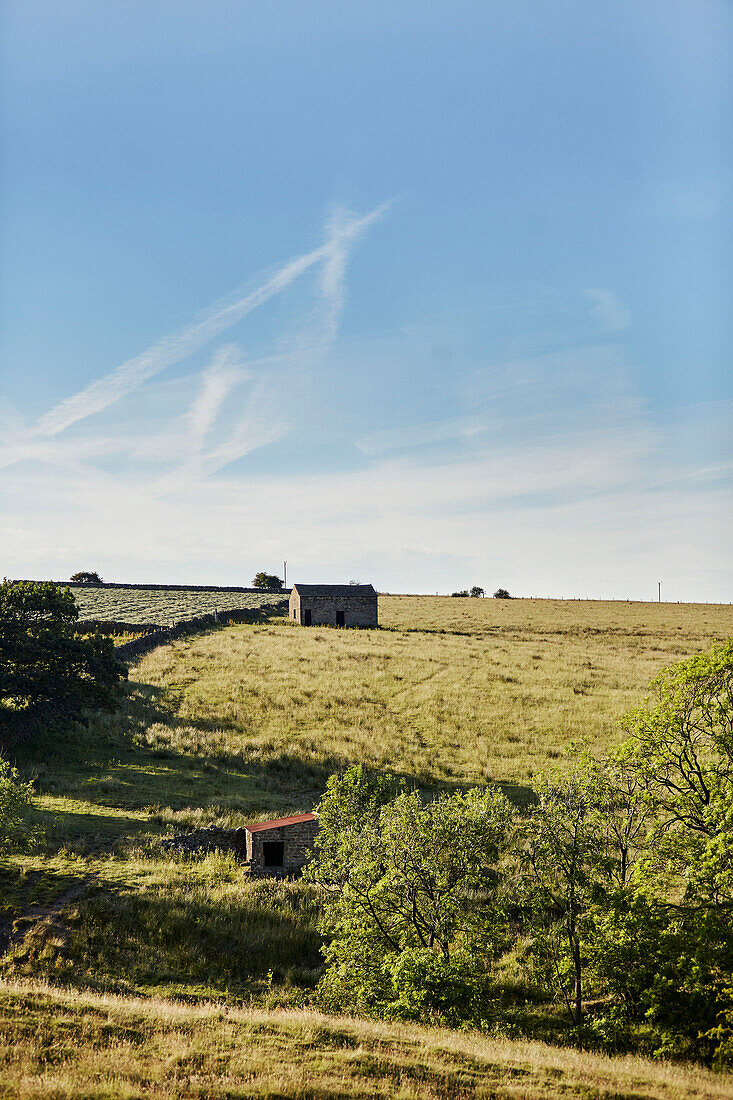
(659, 590)
(285, 574)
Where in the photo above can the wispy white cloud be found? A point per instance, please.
(421, 435)
(182, 344)
(611, 314)
(594, 514)
(227, 370)
(217, 381)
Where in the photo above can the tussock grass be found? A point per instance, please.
(96, 1046)
(452, 692)
(189, 928)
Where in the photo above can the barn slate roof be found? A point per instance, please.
(263, 826)
(327, 590)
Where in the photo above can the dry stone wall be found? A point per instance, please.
(160, 636)
(210, 839)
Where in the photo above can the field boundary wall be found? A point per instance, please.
(161, 635)
(160, 587)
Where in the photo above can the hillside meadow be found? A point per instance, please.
(101, 1046)
(448, 692)
(246, 722)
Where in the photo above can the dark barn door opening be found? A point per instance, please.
(340, 618)
(273, 852)
(306, 618)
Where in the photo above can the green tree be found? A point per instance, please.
(45, 667)
(87, 578)
(268, 581)
(681, 745)
(566, 866)
(16, 800)
(411, 908)
(501, 594)
(477, 590)
(680, 751)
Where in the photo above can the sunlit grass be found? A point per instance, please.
(454, 691)
(94, 1046)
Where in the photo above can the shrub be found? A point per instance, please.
(15, 803)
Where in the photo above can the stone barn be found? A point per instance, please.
(280, 847)
(334, 605)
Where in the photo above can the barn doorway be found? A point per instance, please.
(273, 853)
(340, 618)
(306, 618)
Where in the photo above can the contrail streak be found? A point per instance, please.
(172, 349)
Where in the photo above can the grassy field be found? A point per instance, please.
(450, 692)
(248, 721)
(159, 606)
(95, 1047)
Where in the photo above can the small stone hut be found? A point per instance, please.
(334, 605)
(282, 846)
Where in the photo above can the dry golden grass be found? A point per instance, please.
(695, 625)
(453, 691)
(92, 1046)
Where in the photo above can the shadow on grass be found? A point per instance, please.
(198, 940)
(101, 778)
(28, 895)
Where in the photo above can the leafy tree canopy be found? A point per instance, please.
(502, 594)
(268, 581)
(681, 744)
(87, 578)
(412, 930)
(45, 666)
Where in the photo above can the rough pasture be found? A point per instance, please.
(248, 721)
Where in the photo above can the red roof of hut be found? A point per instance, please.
(261, 826)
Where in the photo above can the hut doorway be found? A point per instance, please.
(273, 853)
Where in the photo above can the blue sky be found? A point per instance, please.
(422, 294)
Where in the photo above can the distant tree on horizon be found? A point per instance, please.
(268, 581)
(502, 594)
(85, 577)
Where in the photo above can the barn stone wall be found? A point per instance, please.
(247, 847)
(359, 611)
(298, 845)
